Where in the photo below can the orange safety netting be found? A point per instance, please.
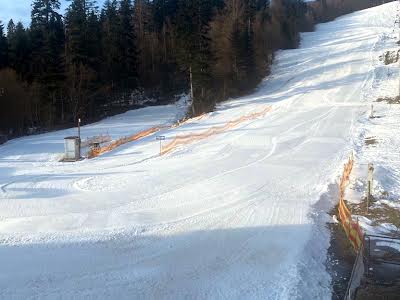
(352, 228)
(190, 138)
(96, 152)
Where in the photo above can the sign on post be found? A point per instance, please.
(160, 138)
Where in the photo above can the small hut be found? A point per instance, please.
(72, 148)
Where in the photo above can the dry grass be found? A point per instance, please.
(371, 140)
(390, 57)
(389, 100)
(378, 214)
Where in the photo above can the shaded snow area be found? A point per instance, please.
(378, 138)
(232, 216)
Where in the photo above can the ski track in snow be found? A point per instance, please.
(226, 217)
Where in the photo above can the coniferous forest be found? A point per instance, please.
(90, 62)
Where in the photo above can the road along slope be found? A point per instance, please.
(230, 216)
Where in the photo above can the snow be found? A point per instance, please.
(382, 129)
(231, 216)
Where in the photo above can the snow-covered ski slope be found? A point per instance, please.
(234, 216)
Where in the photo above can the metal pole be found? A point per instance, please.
(79, 128)
(192, 91)
(368, 194)
(79, 136)
(191, 83)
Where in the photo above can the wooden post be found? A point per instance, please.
(369, 186)
(368, 195)
(191, 90)
(79, 136)
(372, 111)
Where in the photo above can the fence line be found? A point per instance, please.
(179, 140)
(96, 152)
(352, 228)
(190, 138)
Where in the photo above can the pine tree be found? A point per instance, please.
(10, 37)
(127, 45)
(47, 36)
(78, 15)
(93, 38)
(43, 15)
(10, 28)
(81, 75)
(110, 32)
(3, 48)
(19, 50)
(144, 27)
(194, 53)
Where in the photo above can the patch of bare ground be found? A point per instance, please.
(341, 258)
(389, 100)
(371, 140)
(378, 214)
(378, 293)
(390, 57)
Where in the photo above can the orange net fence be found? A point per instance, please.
(98, 151)
(190, 138)
(352, 228)
(178, 140)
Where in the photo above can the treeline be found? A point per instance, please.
(81, 63)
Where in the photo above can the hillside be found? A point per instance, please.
(235, 215)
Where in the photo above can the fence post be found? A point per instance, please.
(369, 187)
(79, 136)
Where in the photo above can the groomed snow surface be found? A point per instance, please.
(232, 216)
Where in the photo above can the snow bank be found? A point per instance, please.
(377, 139)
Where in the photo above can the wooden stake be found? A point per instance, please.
(370, 180)
(191, 90)
(79, 136)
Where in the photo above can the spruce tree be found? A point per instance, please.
(110, 32)
(93, 38)
(81, 75)
(47, 42)
(194, 53)
(3, 48)
(19, 50)
(77, 18)
(43, 15)
(10, 28)
(144, 27)
(127, 45)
